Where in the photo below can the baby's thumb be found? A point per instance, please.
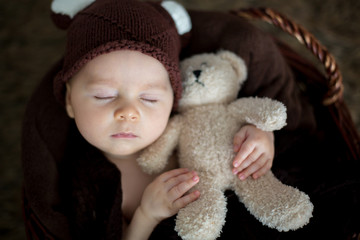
(239, 139)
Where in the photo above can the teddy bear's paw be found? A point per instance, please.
(275, 204)
(277, 119)
(293, 215)
(202, 220)
(291, 211)
(272, 115)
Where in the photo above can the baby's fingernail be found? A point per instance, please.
(242, 177)
(236, 164)
(235, 171)
(195, 178)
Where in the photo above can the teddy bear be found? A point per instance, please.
(202, 132)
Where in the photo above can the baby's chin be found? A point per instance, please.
(122, 154)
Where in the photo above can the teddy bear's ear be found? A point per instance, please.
(236, 62)
(63, 11)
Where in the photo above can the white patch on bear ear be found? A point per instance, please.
(179, 15)
(236, 62)
(69, 7)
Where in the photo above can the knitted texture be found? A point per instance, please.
(110, 25)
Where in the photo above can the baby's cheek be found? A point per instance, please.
(90, 124)
(158, 127)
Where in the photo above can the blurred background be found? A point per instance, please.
(30, 44)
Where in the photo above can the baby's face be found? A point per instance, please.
(121, 102)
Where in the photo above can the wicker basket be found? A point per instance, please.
(331, 84)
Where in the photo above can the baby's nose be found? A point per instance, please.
(127, 113)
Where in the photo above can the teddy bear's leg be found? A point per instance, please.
(273, 203)
(204, 218)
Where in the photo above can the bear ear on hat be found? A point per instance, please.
(63, 11)
(179, 15)
(181, 19)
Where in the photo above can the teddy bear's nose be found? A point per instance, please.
(197, 73)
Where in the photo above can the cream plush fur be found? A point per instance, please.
(203, 132)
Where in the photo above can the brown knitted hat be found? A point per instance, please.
(109, 25)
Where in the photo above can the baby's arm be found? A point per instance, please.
(255, 152)
(163, 198)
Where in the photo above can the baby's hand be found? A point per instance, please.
(168, 193)
(255, 152)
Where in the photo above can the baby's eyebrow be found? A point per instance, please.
(100, 82)
(156, 86)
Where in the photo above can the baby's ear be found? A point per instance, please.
(68, 104)
(236, 62)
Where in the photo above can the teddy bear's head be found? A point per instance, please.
(211, 78)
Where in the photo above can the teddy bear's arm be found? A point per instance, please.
(155, 157)
(265, 113)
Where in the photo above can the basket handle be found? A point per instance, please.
(334, 82)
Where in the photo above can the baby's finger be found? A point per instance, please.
(255, 166)
(245, 150)
(181, 188)
(239, 139)
(170, 183)
(185, 200)
(252, 157)
(262, 170)
(172, 173)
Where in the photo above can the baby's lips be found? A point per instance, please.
(126, 135)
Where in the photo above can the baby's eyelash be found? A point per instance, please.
(104, 97)
(150, 100)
